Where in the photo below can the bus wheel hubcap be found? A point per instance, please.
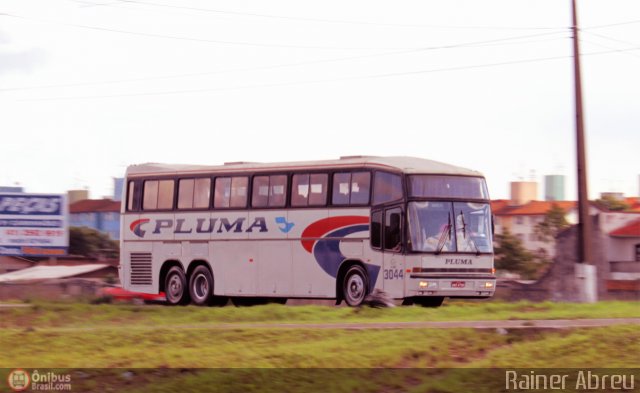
(175, 287)
(355, 287)
(201, 286)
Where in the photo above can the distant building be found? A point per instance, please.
(74, 196)
(634, 204)
(523, 192)
(521, 221)
(16, 189)
(10, 264)
(615, 238)
(618, 196)
(100, 214)
(118, 184)
(554, 188)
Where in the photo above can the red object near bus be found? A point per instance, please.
(118, 293)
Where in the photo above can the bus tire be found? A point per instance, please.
(433, 301)
(175, 284)
(354, 286)
(201, 286)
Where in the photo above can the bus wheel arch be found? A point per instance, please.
(173, 282)
(352, 283)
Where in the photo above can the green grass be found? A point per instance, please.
(87, 315)
(272, 359)
(284, 357)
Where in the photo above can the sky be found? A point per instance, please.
(88, 87)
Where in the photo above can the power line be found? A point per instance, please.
(623, 51)
(611, 38)
(611, 25)
(323, 20)
(284, 84)
(484, 43)
(193, 39)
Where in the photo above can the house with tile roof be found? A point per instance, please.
(615, 239)
(100, 214)
(521, 221)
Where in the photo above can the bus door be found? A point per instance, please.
(392, 250)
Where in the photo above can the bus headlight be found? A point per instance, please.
(488, 284)
(428, 284)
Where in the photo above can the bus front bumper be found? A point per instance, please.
(451, 286)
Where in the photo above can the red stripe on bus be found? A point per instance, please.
(321, 227)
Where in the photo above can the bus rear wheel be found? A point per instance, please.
(354, 286)
(201, 286)
(175, 285)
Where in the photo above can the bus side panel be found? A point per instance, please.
(267, 229)
(274, 268)
(308, 278)
(234, 267)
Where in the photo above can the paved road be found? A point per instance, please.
(15, 305)
(509, 324)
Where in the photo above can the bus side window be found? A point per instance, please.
(132, 197)
(351, 188)
(194, 193)
(309, 190)
(341, 188)
(269, 191)
(277, 190)
(150, 195)
(158, 195)
(393, 230)
(202, 193)
(230, 192)
(360, 187)
(165, 194)
(239, 191)
(318, 189)
(222, 192)
(300, 190)
(387, 187)
(376, 229)
(185, 193)
(260, 197)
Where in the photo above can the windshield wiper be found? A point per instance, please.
(444, 236)
(464, 234)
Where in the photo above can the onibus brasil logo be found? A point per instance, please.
(20, 380)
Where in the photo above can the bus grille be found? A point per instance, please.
(141, 268)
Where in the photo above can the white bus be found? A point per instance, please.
(417, 229)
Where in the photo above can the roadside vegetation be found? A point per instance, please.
(166, 349)
(43, 315)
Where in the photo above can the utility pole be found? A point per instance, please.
(585, 271)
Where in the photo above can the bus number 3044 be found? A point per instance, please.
(393, 274)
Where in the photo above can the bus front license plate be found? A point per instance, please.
(457, 284)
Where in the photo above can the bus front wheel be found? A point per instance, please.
(354, 287)
(175, 285)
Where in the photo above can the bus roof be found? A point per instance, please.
(411, 165)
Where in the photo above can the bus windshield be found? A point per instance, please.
(440, 226)
(441, 186)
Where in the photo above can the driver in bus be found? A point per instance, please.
(433, 235)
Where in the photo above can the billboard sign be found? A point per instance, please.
(33, 224)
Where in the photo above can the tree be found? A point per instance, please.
(554, 222)
(513, 257)
(612, 203)
(91, 243)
